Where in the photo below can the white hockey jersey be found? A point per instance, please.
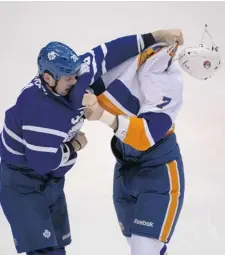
(148, 90)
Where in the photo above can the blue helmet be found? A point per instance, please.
(58, 59)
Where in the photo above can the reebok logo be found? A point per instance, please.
(144, 223)
(66, 236)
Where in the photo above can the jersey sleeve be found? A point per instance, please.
(144, 131)
(113, 53)
(110, 54)
(103, 58)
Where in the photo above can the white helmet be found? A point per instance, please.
(201, 62)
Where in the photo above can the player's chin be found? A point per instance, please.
(65, 92)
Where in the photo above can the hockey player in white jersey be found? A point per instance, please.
(140, 100)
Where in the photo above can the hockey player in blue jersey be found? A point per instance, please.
(140, 100)
(41, 137)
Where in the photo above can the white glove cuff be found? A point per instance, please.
(123, 125)
(107, 118)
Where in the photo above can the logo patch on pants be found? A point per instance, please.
(144, 223)
(47, 234)
(66, 236)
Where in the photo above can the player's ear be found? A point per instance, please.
(48, 79)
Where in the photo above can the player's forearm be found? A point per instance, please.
(119, 50)
(45, 162)
(114, 125)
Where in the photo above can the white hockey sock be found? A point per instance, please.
(141, 245)
(129, 240)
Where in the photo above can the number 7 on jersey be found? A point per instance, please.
(165, 101)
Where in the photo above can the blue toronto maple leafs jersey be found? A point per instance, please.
(39, 125)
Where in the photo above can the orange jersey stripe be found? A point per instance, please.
(107, 105)
(170, 131)
(136, 136)
(174, 201)
(142, 57)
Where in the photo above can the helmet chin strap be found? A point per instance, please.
(56, 83)
(172, 52)
(203, 39)
(54, 88)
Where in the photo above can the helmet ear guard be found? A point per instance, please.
(201, 62)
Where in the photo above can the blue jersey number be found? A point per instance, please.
(165, 101)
